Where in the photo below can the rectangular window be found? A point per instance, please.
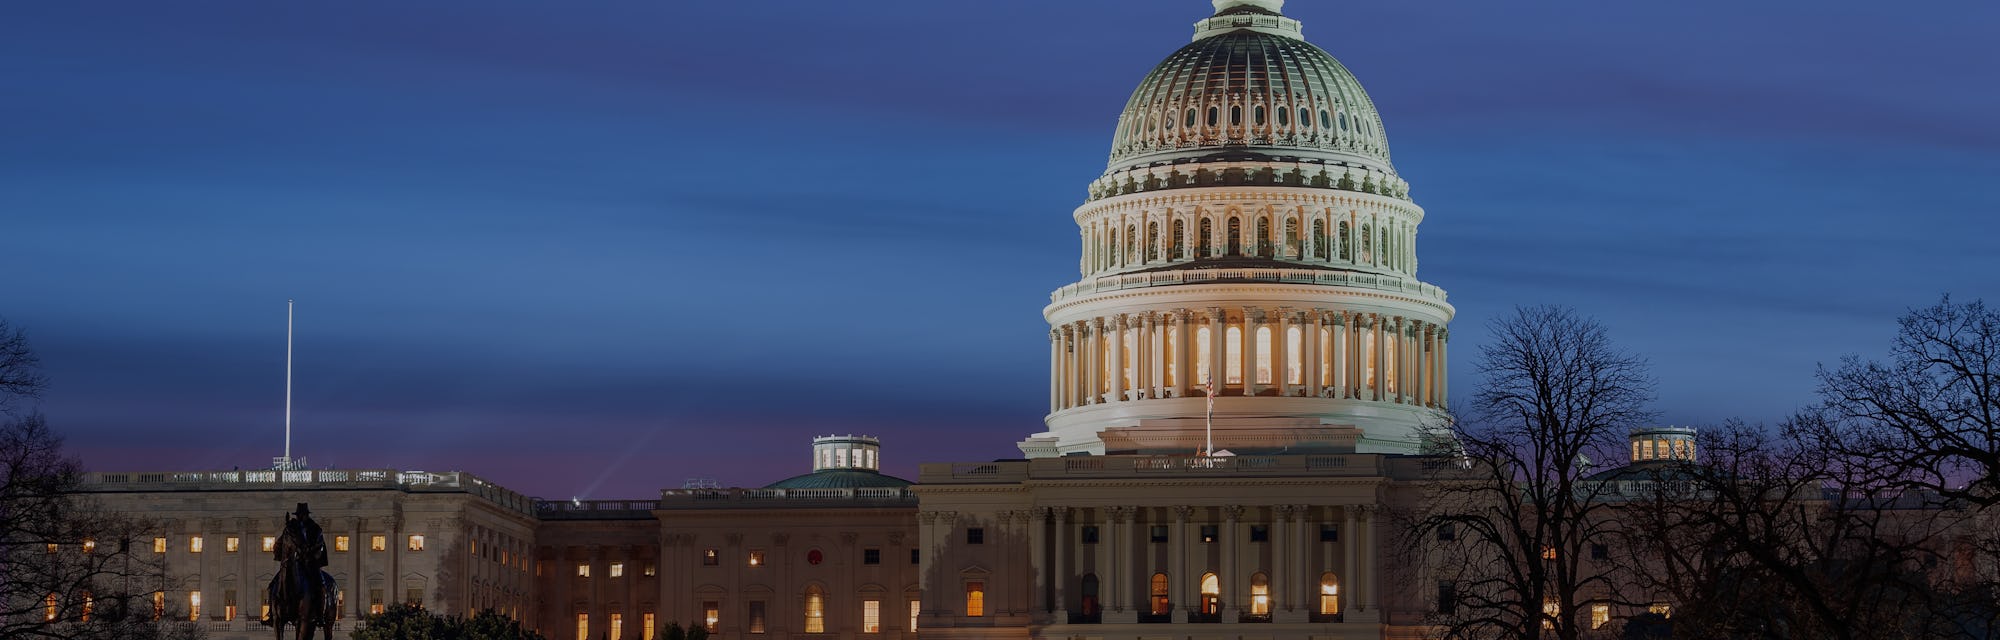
(709, 558)
(756, 558)
(1209, 533)
(871, 616)
(1548, 553)
(194, 606)
(1598, 551)
(159, 545)
(374, 601)
(646, 626)
(229, 604)
(975, 598)
(871, 556)
(617, 625)
(1599, 615)
(815, 613)
(89, 545)
(711, 615)
(975, 535)
(1446, 532)
(913, 556)
(651, 570)
(583, 570)
(340, 543)
(1089, 535)
(1329, 533)
(916, 607)
(1158, 533)
(229, 544)
(270, 542)
(194, 544)
(416, 543)
(413, 597)
(1663, 609)
(1447, 598)
(582, 626)
(378, 543)
(1260, 533)
(159, 604)
(757, 616)
(617, 569)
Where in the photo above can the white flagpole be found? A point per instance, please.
(1209, 389)
(288, 382)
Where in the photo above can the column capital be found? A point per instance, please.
(1233, 512)
(1337, 318)
(1282, 512)
(1121, 513)
(1217, 315)
(1121, 321)
(1182, 513)
(1255, 314)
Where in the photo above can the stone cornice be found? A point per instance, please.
(1267, 195)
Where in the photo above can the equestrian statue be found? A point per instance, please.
(303, 593)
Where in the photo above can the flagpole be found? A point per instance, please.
(288, 382)
(1208, 389)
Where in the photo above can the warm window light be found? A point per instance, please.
(646, 626)
(269, 543)
(1260, 595)
(1663, 609)
(871, 616)
(617, 625)
(1329, 594)
(416, 543)
(1158, 595)
(756, 558)
(340, 543)
(89, 605)
(378, 543)
(1599, 615)
(89, 545)
(231, 544)
(815, 611)
(194, 606)
(1211, 594)
(49, 608)
(194, 544)
(617, 570)
(711, 615)
(1548, 553)
(915, 608)
(52, 547)
(709, 558)
(651, 570)
(583, 570)
(159, 604)
(582, 626)
(1550, 610)
(975, 598)
(159, 545)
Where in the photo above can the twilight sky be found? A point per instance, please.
(595, 249)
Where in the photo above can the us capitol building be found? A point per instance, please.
(1239, 382)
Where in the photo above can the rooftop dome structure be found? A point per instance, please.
(1250, 89)
(843, 462)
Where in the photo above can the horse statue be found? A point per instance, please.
(302, 594)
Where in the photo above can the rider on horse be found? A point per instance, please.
(301, 554)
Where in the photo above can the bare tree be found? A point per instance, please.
(68, 568)
(1510, 528)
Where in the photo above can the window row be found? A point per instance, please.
(232, 544)
(1387, 244)
(755, 557)
(813, 615)
(1209, 597)
(616, 570)
(230, 609)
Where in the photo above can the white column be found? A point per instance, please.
(1281, 559)
(1038, 550)
(1231, 583)
(1305, 586)
(1055, 371)
(1341, 338)
(1156, 356)
(1094, 373)
(1281, 353)
(1121, 566)
(1106, 573)
(1059, 580)
(1444, 368)
(1313, 356)
(1117, 327)
(1218, 328)
(1252, 318)
(1178, 576)
(1183, 365)
(1383, 326)
(1349, 574)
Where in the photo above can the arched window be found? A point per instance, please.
(1329, 594)
(1292, 247)
(1284, 117)
(1295, 355)
(1325, 119)
(1214, 114)
(815, 610)
(1170, 359)
(1367, 360)
(1264, 237)
(1389, 369)
(1367, 245)
(1174, 240)
(1260, 595)
(1190, 118)
(1305, 117)
(1232, 356)
(1258, 115)
(1325, 356)
(1236, 116)
(1201, 346)
(1131, 244)
(1207, 247)
(1346, 251)
(1235, 236)
(1343, 122)
(1320, 249)
(1161, 606)
(975, 599)
(1264, 359)
(1152, 241)
(1211, 594)
(1090, 604)
(1128, 367)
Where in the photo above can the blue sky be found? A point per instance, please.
(596, 249)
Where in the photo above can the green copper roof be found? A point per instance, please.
(840, 479)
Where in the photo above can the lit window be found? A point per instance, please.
(975, 598)
(159, 545)
(89, 605)
(1159, 595)
(582, 626)
(1211, 594)
(229, 544)
(229, 604)
(709, 558)
(1548, 553)
(378, 543)
(375, 601)
(89, 545)
(1550, 610)
(194, 605)
(651, 570)
(756, 558)
(416, 543)
(270, 542)
(1329, 594)
(617, 569)
(53, 547)
(646, 626)
(757, 616)
(159, 603)
(1599, 614)
(916, 607)
(49, 608)
(711, 615)
(194, 544)
(617, 625)
(815, 611)
(413, 597)
(1260, 595)
(1663, 609)
(871, 616)
(582, 570)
